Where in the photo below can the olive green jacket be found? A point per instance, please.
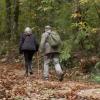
(45, 46)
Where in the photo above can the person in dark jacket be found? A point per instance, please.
(28, 46)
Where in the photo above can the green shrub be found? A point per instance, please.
(65, 53)
(96, 77)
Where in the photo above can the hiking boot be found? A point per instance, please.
(31, 73)
(46, 78)
(61, 77)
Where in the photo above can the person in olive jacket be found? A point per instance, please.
(28, 46)
(50, 55)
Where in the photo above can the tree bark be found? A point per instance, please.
(15, 17)
(8, 16)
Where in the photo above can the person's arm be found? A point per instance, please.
(36, 43)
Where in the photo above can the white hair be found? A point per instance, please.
(28, 30)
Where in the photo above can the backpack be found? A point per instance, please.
(29, 43)
(54, 39)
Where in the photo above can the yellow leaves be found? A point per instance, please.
(83, 1)
(47, 8)
(95, 30)
(82, 24)
(75, 15)
(97, 1)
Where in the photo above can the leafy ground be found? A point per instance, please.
(15, 86)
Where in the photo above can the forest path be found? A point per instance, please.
(15, 86)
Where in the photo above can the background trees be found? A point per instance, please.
(77, 21)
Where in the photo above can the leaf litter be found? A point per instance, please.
(15, 86)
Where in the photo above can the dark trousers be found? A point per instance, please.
(28, 54)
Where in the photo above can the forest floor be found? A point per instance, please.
(15, 86)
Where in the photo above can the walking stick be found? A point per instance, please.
(38, 59)
(38, 62)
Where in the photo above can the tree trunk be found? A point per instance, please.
(15, 18)
(8, 16)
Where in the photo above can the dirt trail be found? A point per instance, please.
(15, 86)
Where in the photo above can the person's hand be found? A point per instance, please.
(39, 54)
(20, 51)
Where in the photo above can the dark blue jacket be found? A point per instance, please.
(28, 42)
